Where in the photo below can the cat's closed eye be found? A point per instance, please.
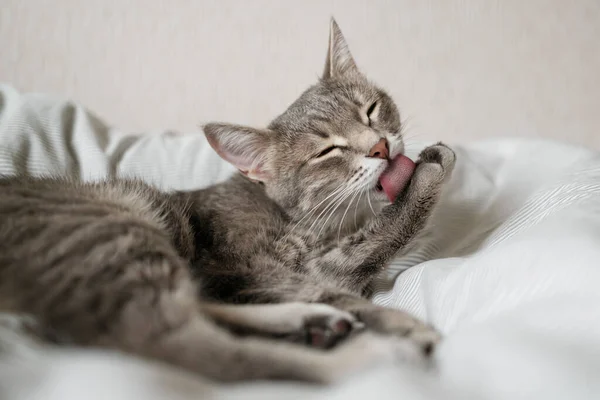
(326, 151)
(370, 112)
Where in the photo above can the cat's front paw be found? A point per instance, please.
(368, 350)
(438, 154)
(433, 167)
(389, 321)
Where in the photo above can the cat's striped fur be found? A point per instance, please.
(122, 265)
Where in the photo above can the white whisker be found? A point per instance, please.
(333, 201)
(356, 208)
(332, 204)
(346, 212)
(310, 212)
(335, 192)
(347, 194)
(370, 205)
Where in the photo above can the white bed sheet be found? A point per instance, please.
(510, 273)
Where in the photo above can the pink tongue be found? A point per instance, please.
(396, 176)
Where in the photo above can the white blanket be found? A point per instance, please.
(511, 274)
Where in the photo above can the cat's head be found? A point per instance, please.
(329, 148)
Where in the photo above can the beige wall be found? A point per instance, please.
(459, 70)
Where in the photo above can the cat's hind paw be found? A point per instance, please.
(324, 327)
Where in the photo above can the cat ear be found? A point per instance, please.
(339, 61)
(243, 147)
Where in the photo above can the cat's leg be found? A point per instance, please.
(358, 258)
(294, 287)
(171, 328)
(201, 346)
(317, 325)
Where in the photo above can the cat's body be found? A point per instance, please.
(123, 265)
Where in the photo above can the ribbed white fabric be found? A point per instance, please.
(509, 272)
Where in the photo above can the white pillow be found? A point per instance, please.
(40, 134)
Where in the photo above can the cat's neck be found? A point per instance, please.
(239, 210)
(236, 210)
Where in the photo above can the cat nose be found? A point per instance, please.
(380, 150)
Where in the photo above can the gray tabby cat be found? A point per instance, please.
(253, 278)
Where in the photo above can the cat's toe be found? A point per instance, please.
(426, 338)
(325, 331)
